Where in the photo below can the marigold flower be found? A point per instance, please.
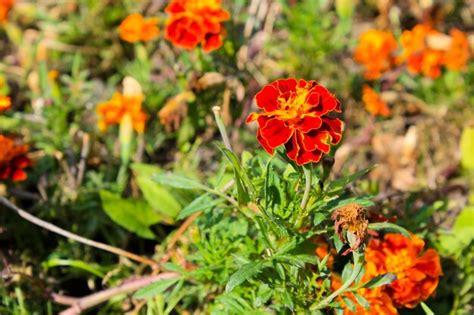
(458, 53)
(13, 160)
(375, 52)
(379, 300)
(113, 111)
(136, 28)
(5, 103)
(417, 273)
(374, 103)
(5, 7)
(418, 56)
(194, 22)
(296, 114)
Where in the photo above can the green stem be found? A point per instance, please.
(221, 126)
(358, 258)
(307, 176)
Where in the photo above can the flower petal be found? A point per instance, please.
(334, 126)
(267, 98)
(309, 123)
(317, 139)
(276, 132)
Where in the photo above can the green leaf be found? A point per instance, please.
(241, 180)
(462, 232)
(246, 272)
(380, 280)
(361, 300)
(178, 181)
(202, 203)
(426, 309)
(94, 269)
(467, 148)
(350, 305)
(155, 288)
(134, 215)
(390, 227)
(342, 182)
(158, 197)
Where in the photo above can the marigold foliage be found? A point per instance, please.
(296, 114)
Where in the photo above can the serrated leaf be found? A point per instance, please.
(178, 181)
(380, 280)
(246, 272)
(389, 227)
(155, 288)
(133, 215)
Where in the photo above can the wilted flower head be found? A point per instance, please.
(351, 218)
(417, 273)
(375, 52)
(194, 22)
(374, 103)
(5, 7)
(5, 103)
(114, 110)
(13, 160)
(136, 28)
(296, 115)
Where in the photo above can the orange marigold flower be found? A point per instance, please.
(418, 56)
(5, 103)
(322, 250)
(458, 53)
(136, 28)
(194, 22)
(114, 110)
(379, 300)
(374, 103)
(13, 160)
(375, 52)
(296, 114)
(5, 7)
(417, 273)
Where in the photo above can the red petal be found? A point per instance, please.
(264, 142)
(313, 98)
(276, 132)
(212, 42)
(308, 157)
(18, 175)
(286, 85)
(292, 147)
(267, 98)
(252, 117)
(328, 102)
(334, 126)
(317, 139)
(21, 162)
(309, 123)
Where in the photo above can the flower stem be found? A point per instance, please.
(358, 258)
(307, 188)
(221, 126)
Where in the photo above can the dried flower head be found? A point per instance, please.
(136, 28)
(194, 22)
(5, 103)
(296, 115)
(13, 160)
(175, 110)
(375, 52)
(374, 103)
(114, 110)
(417, 272)
(351, 218)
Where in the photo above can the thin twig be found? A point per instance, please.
(53, 228)
(82, 163)
(81, 304)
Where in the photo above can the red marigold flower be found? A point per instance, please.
(5, 103)
(417, 273)
(296, 114)
(375, 52)
(136, 28)
(113, 111)
(5, 7)
(374, 103)
(194, 22)
(13, 160)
